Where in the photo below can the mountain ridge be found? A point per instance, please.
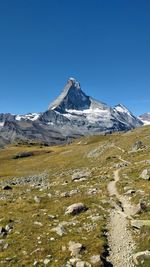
(70, 115)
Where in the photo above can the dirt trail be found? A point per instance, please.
(120, 239)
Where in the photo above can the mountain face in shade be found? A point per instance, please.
(71, 115)
(145, 118)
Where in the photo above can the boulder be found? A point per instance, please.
(81, 175)
(7, 187)
(75, 248)
(145, 175)
(75, 208)
(140, 223)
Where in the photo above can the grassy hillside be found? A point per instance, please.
(42, 188)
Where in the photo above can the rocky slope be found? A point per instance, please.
(71, 115)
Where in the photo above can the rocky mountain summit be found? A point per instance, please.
(71, 115)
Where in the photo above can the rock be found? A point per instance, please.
(38, 223)
(9, 227)
(3, 231)
(7, 187)
(130, 192)
(37, 199)
(6, 246)
(75, 208)
(74, 191)
(95, 259)
(83, 264)
(59, 230)
(81, 175)
(94, 191)
(141, 256)
(75, 248)
(140, 223)
(51, 217)
(145, 175)
(137, 145)
(46, 261)
(65, 194)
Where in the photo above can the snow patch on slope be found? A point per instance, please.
(30, 116)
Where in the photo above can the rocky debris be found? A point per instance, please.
(137, 146)
(23, 155)
(7, 187)
(95, 153)
(60, 230)
(145, 175)
(140, 223)
(94, 191)
(39, 180)
(81, 175)
(140, 256)
(121, 165)
(75, 208)
(75, 248)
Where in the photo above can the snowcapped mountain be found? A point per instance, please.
(71, 115)
(145, 118)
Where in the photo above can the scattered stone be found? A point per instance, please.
(75, 248)
(76, 208)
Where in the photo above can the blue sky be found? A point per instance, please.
(105, 44)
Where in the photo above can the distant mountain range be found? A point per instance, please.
(71, 115)
(145, 118)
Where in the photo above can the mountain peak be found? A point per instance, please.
(72, 97)
(74, 82)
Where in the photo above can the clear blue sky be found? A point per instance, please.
(105, 44)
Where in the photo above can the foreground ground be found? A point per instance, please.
(103, 173)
